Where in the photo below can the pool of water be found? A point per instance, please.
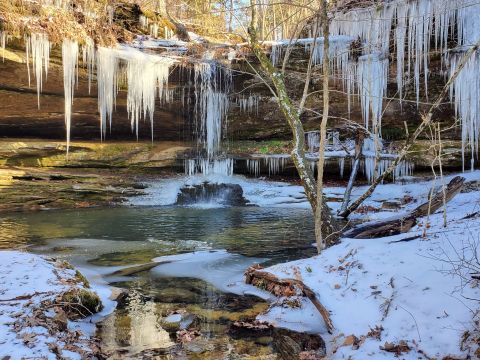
(204, 253)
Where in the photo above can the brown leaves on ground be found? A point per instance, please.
(398, 349)
(185, 335)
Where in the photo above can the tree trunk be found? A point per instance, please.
(353, 174)
(329, 224)
(319, 221)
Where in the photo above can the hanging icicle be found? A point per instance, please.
(371, 79)
(38, 50)
(88, 57)
(70, 63)
(107, 64)
(147, 76)
(211, 87)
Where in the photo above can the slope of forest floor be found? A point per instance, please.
(42, 304)
(413, 295)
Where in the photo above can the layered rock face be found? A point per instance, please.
(21, 117)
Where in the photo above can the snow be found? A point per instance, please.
(27, 280)
(258, 192)
(430, 308)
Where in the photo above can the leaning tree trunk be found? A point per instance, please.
(329, 224)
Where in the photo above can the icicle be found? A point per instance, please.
(107, 64)
(88, 57)
(38, 49)
(3, 40)
(154, 30)
(211, 104)
(145, 74)
(69, 60)
(276, 53)
(249, 104)
(209, 167)
(313, 141)
(253, 166)
(372, 76)
(341, 165)
(465, 91)
(143, 21)
(275, 164)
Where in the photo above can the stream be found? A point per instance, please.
(205, 288)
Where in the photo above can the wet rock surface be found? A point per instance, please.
(224, 194)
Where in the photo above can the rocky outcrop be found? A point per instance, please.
(224, 194)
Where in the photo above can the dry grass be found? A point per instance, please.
(20, 18)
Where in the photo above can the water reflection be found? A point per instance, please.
(167, 230)
(143, 324)
(102, 241)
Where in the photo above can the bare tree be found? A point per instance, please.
(327, 223)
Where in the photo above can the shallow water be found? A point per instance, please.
(208, 285)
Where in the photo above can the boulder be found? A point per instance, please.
(224, 194)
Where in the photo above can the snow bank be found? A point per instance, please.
(405, 287)
(29, 287)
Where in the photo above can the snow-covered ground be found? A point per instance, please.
(384, 291)
(29, 321)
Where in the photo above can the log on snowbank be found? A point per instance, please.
(286, 287)
(403, 223)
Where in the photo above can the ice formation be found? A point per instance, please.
(212, 83)
(248, 104)
(275, 164)
(253, 166)
(209, 166)
(465, 91)
(313, 141)
(38, 50)
(70, 62)
(88, 58)
(418, 28)
(371, 79)
(154, 30)
(3, 42)
(376, 165)
(107, 63)
(143, 20)
(147, 76)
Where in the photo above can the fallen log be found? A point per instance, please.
(403, 223)
(286, 287)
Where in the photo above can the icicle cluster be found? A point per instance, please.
(147, 76)
(3, 42)
(38, 50)
(211, 87)
(371, 80)
(154, 30)
(253, 166)
(417, 26)
(465, 90)
(313, 141)
(209, 167)
(248, 104)
(88, 58)
(143, 21)
(107, 63)
(70, 62)
(274, 164)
